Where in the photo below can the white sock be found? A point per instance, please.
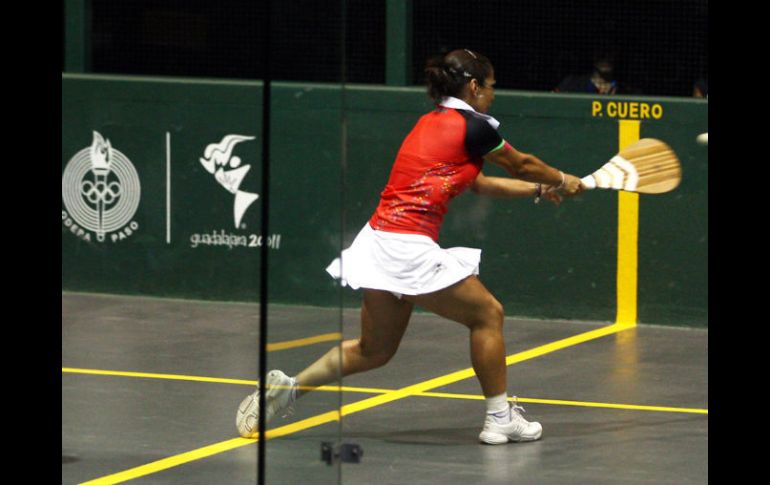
(293, 389)
(498, 408)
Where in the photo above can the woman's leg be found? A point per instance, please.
(383, 322)
(470, 303)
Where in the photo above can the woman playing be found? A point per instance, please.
(396, 260)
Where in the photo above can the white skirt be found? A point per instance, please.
(404, 264)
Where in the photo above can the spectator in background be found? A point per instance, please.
(601, 80)
(701, 88)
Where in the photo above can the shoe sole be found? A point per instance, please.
(501, 439)
(246, 420)
(247, 417)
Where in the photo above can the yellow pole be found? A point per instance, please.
(628, 231)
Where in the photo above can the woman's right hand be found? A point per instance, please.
(571, 186)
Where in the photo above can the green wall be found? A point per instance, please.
(539, 260)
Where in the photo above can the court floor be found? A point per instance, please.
(150, 387)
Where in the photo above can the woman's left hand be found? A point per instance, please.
(550, 193)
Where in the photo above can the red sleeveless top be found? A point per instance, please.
(438, 160)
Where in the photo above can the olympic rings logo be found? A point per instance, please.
(100, 191)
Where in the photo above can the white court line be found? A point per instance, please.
(168, 188)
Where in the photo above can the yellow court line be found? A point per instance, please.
(332, 416)
(348, 409)
(289, 344)
(218, 380)
(373, 390)
(170, 462)
(557, 402)
(146, 375)
(628, 234)
(567, 342)
(635, 407)
(469, 372)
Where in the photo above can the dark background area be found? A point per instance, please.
(661, 46)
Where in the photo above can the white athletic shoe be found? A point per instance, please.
(278, 399)
(518, 429)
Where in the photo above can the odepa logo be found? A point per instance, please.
(101, 192)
